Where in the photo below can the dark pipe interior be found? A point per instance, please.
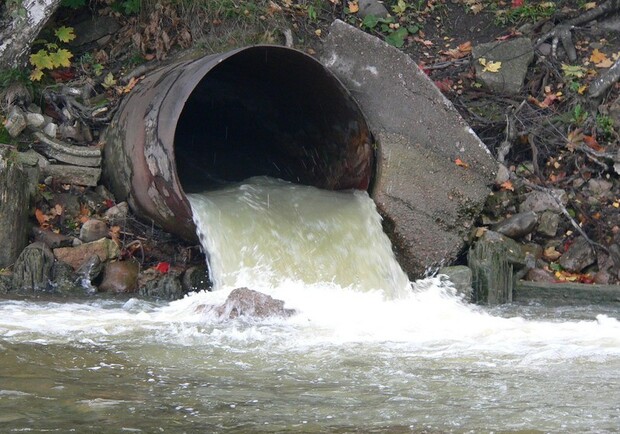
(277, 112)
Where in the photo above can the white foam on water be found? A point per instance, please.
(336, 306)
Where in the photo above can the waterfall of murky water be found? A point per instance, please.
(365, 352)
(265, 231)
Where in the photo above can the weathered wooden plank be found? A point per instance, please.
(566, 293)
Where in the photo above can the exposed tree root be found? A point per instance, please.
(562, 33)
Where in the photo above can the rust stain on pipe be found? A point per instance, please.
(262, 110)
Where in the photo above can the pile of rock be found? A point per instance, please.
(61, 161)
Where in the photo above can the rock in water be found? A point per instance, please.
(249, 303)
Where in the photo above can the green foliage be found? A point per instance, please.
(127, 7)
(5, 137)
(605, 125)
(394, 33)
(52, 56)
(528, 12)
(579, 115)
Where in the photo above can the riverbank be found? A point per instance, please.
(555, 199)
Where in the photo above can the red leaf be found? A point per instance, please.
(517, 3)
(163, 267)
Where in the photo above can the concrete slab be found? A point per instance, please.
(428, 201)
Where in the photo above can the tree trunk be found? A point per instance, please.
(20, 28)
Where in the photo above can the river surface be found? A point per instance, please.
(365, 352)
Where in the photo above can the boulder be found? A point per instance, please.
(33, 268)
(15, 121)
(120, 277)
(518, 225)
(93, 230)
(513, 57)
(579, 255)
(427, 200)
(196, 278)
(244, 302)
(162, 286)
(540, 201)
(461, 278)
(105, 249)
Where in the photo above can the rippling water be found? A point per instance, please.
(355, 357)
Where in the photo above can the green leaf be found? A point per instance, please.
(413, 29)
(397, 38)
(131, 6)
(41, 60)
(400, 7)
(573, 70)
(370, 21)
(108, 81)
(65, 34)
(61, 58)
(97, 69)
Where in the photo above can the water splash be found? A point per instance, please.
(266, 230)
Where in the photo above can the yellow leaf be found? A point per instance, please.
(353, 6)
(108, 81)
(65, 34)
(36, 75)
(490, 66)
(597, 56)
(605, 63)
(589, 5)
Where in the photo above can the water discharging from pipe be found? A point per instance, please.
(351, 359)
(264, 231)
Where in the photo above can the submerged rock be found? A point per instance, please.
(249, 303)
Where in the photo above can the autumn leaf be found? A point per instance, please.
(61, 58)
(592, 143)
(461, 51)
(517, 3)
(507, 185)
(41, 60)
(461, 163)
(163, 267)
(589, 5)
(607, 63)
(490, 66)
(574, 139)
(597, 56)
(65, 34)
(41, 218)
(36, 74)
(353, 6)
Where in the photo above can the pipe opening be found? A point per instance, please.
(273, 111)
